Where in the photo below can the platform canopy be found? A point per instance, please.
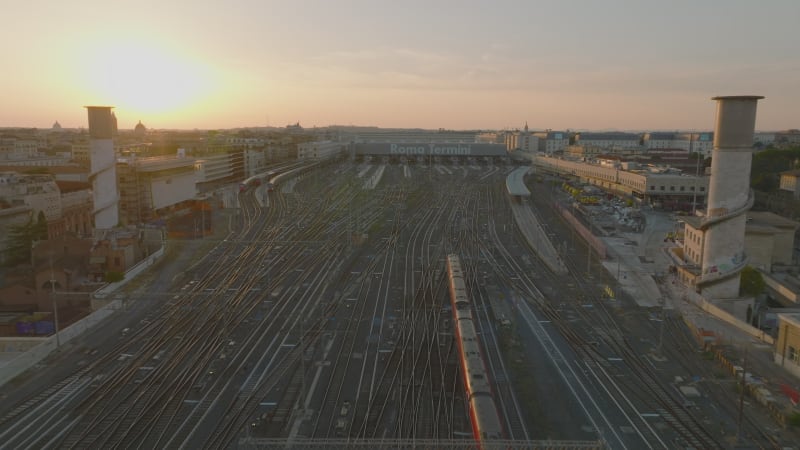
(515, 182)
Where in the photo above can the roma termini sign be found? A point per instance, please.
(431, 149)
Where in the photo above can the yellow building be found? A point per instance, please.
(787, 346)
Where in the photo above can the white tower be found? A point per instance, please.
(729, 197)
(103, 173)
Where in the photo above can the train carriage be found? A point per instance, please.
(486, 424)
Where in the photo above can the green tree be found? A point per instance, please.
(751, 283)
(18, 244)
(765, 182)
(20, 239)
(768, 164)
(112, 276)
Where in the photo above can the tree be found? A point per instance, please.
(768, 164)
(20, 239)
(765, 182)
(751, 283)
(112, 276)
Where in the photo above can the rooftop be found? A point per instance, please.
(738, 97)
(771, 219)
(792, 318)
(156, 163)
(73, 186)
(757, 221)
(49, 169)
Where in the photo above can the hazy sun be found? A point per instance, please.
(145, 78)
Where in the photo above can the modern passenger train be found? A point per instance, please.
(275, 177)
(486, 424)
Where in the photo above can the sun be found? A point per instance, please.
(145, 78)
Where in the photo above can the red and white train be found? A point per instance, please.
(486, 424)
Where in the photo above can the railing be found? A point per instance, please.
(721, 275)
(708, 221)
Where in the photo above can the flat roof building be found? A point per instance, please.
(147, 185)
(660, 187)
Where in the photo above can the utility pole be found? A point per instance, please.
(53, 298)
(588, 258)
(661, 327)
(741, 398)
(696, 174)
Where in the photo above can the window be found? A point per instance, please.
(652, 188)
(662, 188)
(792, 355)
(672, 188)
(702, 189)
(683, 188)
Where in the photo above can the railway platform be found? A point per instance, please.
(637, 260)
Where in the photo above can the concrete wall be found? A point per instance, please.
(759, 249)
(596, 244)
(18, 344)
(783, 247)
(109, 288)
(782, 290)
(168, 191)
(36, 354)
(725, 316)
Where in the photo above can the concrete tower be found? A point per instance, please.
(103, 167)
(729, 197)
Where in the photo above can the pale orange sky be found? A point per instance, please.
(431, 64)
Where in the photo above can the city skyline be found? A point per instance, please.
(187, 65)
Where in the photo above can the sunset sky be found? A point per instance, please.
(611, 64)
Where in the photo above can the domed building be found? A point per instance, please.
(140, 129)
(56, 126)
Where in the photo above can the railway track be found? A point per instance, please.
(260, 338)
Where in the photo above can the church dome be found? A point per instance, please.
(140, 128)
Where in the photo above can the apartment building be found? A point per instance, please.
(217, 169)
(609, 140)
(552, 141)
(319, 149)
(667, 188)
